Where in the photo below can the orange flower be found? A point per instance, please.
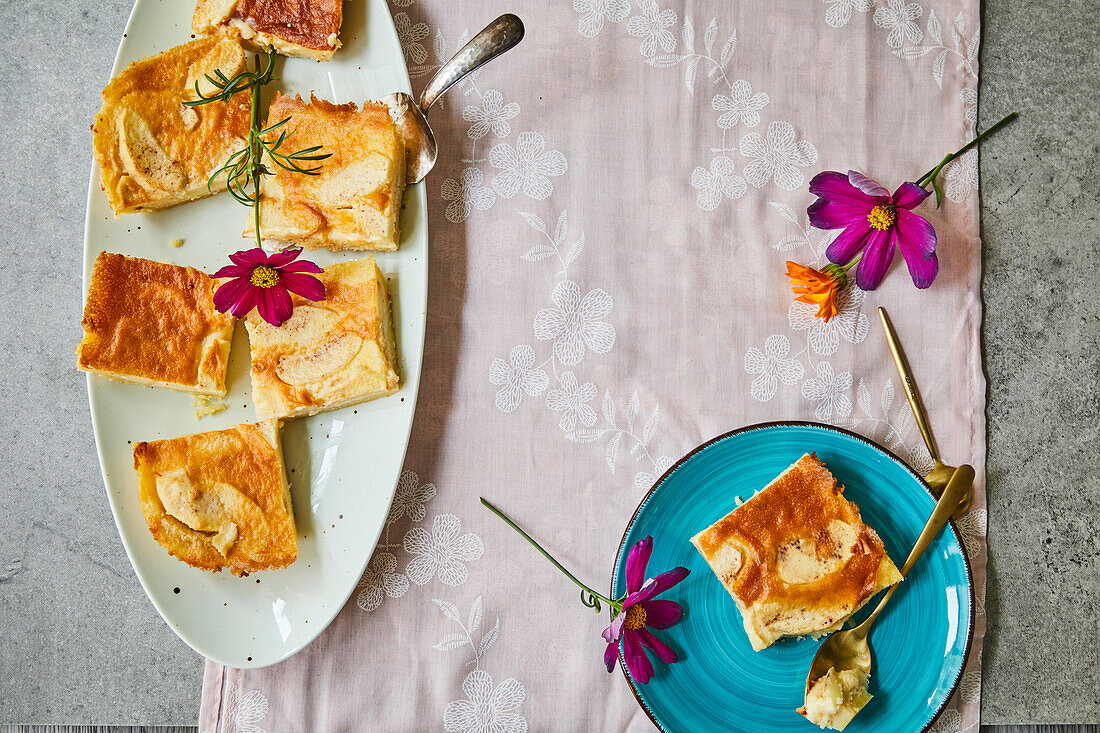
(817, 287)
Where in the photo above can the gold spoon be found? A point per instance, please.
(849, 649)
(941, 473)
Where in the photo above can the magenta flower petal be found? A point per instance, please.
(284, 258)
(867, 186)
(233, 271)
(909, 196)
(848, 243)
(922, 269)
(249, 300)
(249, 257)
(275, 305)
(826, 214)
(660, 584)
(302, 266)
(610, 654)
(615, 630)
(835, 186)
(636, 562)
(306, 286)
(661, 614)
(915, 233)
(662, 650)
(230, 293)
(641, 669)
(876, 258)
(670, 578)
(641, 594)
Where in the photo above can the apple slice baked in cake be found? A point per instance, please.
(153, 150)
(219, 499)
(330, 353)
(796, 558)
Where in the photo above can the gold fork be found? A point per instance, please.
(941, 473)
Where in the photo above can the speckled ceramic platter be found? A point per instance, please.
(343, 464)
(920, 642)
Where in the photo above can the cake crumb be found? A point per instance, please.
(177, 242)
(205, 405)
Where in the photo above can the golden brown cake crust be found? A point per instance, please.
(248, 460)
(355, 199)
(800, 504)
(308, 28)
(330, 353)
(154, 322)
(308, 23)
(152, 150)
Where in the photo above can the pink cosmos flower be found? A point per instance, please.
(639, 611)
(265, 282)
(876, 223)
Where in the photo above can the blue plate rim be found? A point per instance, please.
(796, 423)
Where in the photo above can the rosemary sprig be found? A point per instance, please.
(245, 168)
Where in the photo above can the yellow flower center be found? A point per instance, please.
(264, 277)
(882, 217)
(635, 617)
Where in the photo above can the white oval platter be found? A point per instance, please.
(344, 464)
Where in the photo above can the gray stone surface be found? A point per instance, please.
(79, 642)
(1042, 348)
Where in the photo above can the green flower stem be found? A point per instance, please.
(851, 264)
(930, 176)
(595, 597)
(254, 144)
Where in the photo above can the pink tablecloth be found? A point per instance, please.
(610, 217)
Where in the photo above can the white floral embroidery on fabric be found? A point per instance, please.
(949, 722)
(576, 322)
(829, 390)
(963, 49)
(381, 579)
(962, 177)
(411, 36)
(652, 26)
(772, 366)
(444, 551)
(779, 156)
(491, 116)
(891, 431)
(486, 708)
(740, 106)
(898, 17)
(720, 181)
(527, 166)
(848, 323)
(595, 12)
(970, 104)
(466, 194)
(243, 714)
(410, 497)
(972, 527)
(572, 402)
(840, 11)
(516, 376)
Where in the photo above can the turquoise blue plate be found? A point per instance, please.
(919, 643)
